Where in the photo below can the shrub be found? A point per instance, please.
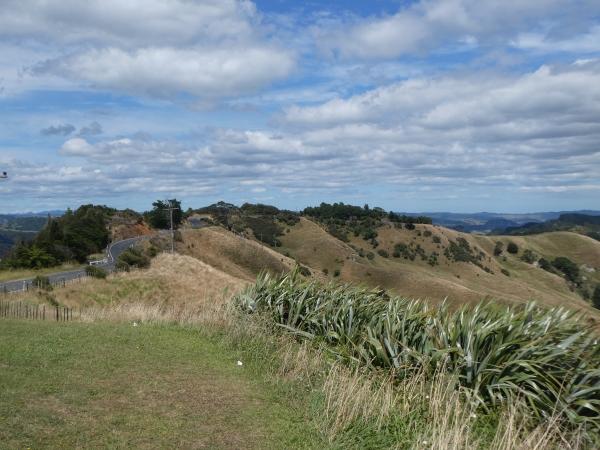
(42, 282)
(404, 251)
(369, 234)
(326, 271)
(336, 273)
(499, 248)
(427, 233)
(436, 239)
(528, 256)
(512, 248)
(409, 226)
(545, 264)
(132, 258)
(505, 272)
(96, 272)
(383, 253)
(433, 259)
(547, 360)
(568, 268)
(370, 255)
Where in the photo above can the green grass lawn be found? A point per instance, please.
(115, 385)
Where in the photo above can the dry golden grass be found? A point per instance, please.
(459, 282)
(436, 415)
(232, 254)
(173, 285)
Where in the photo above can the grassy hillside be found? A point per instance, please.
(414, 274)
(240, 257)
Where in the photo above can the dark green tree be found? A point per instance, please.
(159, 218)
(512, 248)
(568, 268)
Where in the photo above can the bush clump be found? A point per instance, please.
(96, 272)
(383, 253)
(132, 258)
(569, 269)
(512, 248)
(42, 282)
(528, 256)
(547, 360)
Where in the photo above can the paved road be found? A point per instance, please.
(114, 250)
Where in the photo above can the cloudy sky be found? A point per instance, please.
(448, 105)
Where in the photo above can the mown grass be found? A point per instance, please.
(116, 385)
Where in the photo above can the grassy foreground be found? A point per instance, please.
(116, 385)
(172, 381)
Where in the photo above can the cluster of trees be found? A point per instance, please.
(341, 219)
(341, 211)
(159, 216)
(265, 221)
(71, 237)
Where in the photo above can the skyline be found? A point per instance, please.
(453, 105)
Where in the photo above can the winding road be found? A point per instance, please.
(112, 254)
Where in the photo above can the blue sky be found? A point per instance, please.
(454, 105)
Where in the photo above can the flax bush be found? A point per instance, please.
(545, 359)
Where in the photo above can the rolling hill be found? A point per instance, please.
(426, 261)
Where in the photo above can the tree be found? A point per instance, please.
(512, 248)
(499, 248)
(159, 218)
(596, 297)
(568, 268)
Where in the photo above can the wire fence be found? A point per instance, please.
(24, 310)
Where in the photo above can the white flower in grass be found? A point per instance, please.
(239, 363)
(135, 324)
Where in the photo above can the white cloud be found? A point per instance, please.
(588, 42)
(427, 26)
(165, 48)
(165, 72)
(128, 23)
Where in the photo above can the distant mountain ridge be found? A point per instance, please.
(486, 222)
(582, 223)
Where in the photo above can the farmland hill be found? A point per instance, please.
(417, 260)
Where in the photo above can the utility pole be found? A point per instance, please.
(171, 208)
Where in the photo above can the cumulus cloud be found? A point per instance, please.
(164, 72)
(128, 23)
(427, 26)
(58, 130)
(162, 48)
